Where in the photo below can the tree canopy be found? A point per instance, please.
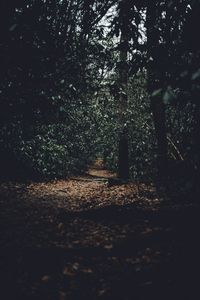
(86, 78)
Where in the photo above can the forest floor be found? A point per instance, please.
(83, 239)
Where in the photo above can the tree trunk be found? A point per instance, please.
(194, 47)
(123, 157)
(155, 82)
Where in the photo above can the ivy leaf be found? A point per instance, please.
(157, 93)
(62, 109)
(13, 27)
(169, 96)
(196, 75)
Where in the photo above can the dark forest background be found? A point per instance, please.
(82, 79)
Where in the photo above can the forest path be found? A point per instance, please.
(81, 239)
(97, 170)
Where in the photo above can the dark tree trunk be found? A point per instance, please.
(155, 82)
(193, 45)
(123, 166)
(123, 156)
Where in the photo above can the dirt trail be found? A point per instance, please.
(81, 239)
(98, 170)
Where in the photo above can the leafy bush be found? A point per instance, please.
(50, 151)
(141, 135)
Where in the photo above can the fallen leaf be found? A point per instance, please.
(45, 278)
(60, 226)
(88, 271)
(67, 271)
(108, 247)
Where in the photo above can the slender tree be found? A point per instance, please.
(123, 159)
(192, 48)
(155, 82)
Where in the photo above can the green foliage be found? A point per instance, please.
(139, 125)
(141, 131)
(56, 151)
(47, 83)
(59, 85)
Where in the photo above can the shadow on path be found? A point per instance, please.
(121, 252)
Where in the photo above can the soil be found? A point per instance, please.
(83, 239)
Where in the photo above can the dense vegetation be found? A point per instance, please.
(88, 78)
